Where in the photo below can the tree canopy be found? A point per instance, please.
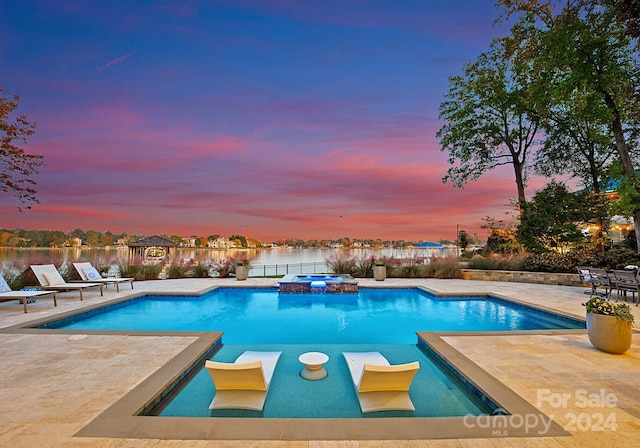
(487, 120)
(17, 167)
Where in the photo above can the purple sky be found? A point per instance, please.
(270, 119)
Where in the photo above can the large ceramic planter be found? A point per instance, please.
(379, 273)
(242, 272)
(608, 333)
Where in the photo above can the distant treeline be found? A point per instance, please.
(79, 237)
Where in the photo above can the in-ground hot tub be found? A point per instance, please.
(318, 283)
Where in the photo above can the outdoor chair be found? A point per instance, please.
(625, 282)
(379, 385)
(6, 293)
(49, 278)
(88, 273)
(244, 383)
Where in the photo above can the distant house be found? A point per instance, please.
(188, 242)
(221, 243)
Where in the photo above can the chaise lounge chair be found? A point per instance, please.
(90, 274)
(243, 384)
(379, 385)
(50, 278)
(6, 293)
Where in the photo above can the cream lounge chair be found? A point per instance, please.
(243, 384)
(379, 385)
(90, 274)
(50, 278)
(6, 293)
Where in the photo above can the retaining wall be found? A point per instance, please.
(546, 278)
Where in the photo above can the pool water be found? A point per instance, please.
(384, 320)
(434, 393)
(263, 316)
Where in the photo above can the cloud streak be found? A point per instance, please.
(115, 61)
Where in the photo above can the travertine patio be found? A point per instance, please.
(51, 387)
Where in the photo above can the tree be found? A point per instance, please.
(551, 220)
(464, 240)
(582, 46)
(488, 121)
(577, 145)
(502, 236)
(17, 167)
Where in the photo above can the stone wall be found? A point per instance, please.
(546, 278)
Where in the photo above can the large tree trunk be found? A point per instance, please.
(522, 200)
(625, 157)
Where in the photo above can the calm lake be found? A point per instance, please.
(263, 261)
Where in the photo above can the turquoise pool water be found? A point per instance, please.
(434, 392)
(263, 316)
(384, 320)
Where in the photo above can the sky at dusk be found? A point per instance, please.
(270, 119)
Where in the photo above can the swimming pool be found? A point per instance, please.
(263, 316)
(384, 320)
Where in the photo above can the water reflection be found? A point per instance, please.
(259, 257)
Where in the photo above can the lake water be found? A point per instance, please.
(260, 257)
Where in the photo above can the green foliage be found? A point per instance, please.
(598, 305)
(496, 262)
(550, 220)
(487, 121)
(176, 270)
(200, 270)
(628, 195)
(464, 240)
(583, 55)
(17, 167)
(446, 267)
(502, 237)
(412, 270)
(140, 271)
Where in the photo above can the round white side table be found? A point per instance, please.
(313, 365)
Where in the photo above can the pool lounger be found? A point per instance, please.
(244, 383)
(379, 385)
(90, 274)
(49, 278)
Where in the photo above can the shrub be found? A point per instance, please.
(480, 262)
(140, 271)
(411, 270)
(446, 267)
(342, 264)
(175, 270)
(201, 270)
(223, 268)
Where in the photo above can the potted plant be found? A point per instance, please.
(379, 270)
(242, 269)
(609, 325)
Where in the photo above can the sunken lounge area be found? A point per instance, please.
(66, 389)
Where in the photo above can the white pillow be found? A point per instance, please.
(53, 278)
(91, 273)
(4, 286)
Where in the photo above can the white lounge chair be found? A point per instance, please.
(6, 293)
(379, 385)
(90, 274)
(49, 278)
(244, 383)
